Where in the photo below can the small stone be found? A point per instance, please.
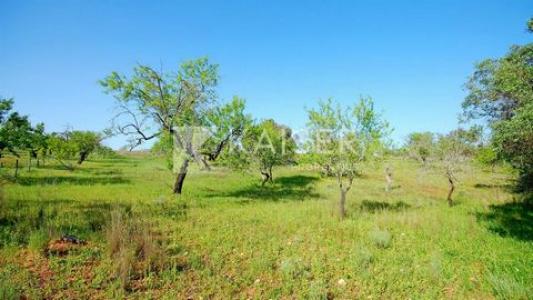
(341, 282)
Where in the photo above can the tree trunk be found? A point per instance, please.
(342, 204)
(388, 177)
(178, 184)
(16, 168)
(83, 157)
(29, 163)
(266, 178)
(270, 177)
(450, 192)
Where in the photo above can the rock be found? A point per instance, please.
(341, 282)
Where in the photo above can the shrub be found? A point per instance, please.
(381, 238)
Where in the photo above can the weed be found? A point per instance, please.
(381, 238)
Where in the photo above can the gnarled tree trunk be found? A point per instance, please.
(344, 188)
(452, 188)
(267, 176)
(83, 157)
(342, 204)
(180, 178)
(16, 168)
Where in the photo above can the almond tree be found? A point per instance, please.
(452, 151)
(15, 130)
(263, 146)
(154, 103)
(341, 139)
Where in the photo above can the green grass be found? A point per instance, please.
(225, 237)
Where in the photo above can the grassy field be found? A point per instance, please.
(226, 237)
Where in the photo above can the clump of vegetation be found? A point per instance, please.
(38, 240)
(381, 238)
(135, 248)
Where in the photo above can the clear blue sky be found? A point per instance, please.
(281, 56)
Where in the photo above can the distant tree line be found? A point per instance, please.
(18, 136)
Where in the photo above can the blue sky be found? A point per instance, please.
(412, 57)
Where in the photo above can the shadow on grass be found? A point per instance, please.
(514, 220)
(54, 180)
(377, 206)
(505, 186)
(298, 187)
(81, 169)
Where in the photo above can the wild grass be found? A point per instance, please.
(226, 237)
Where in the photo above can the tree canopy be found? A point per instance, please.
(342, 138)
(182, 105)
(500, 91)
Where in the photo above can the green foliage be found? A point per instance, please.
(180, 105)
(226, 124)
(487, 156)
(513, 140)
(454, 149)
(420, 145)
(499, 86)
(84, 143)
(343, 137)
(105, 152)
(74, 144)
(38, 241)
(165, 100)
(15, 130)
(263, 146)
(500, 90)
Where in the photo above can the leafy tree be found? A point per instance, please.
(342, 138)
(62, 149)
(84, 143)
(419, 146)
(451, 151)
(15, 130)
(264, 146)
(487, 156)
(74, 144)
(37, 144)
(226, 125)
(513, 140)
(182, 105)
(500, 91)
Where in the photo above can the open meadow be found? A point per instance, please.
(266, 149)
(228, 237)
